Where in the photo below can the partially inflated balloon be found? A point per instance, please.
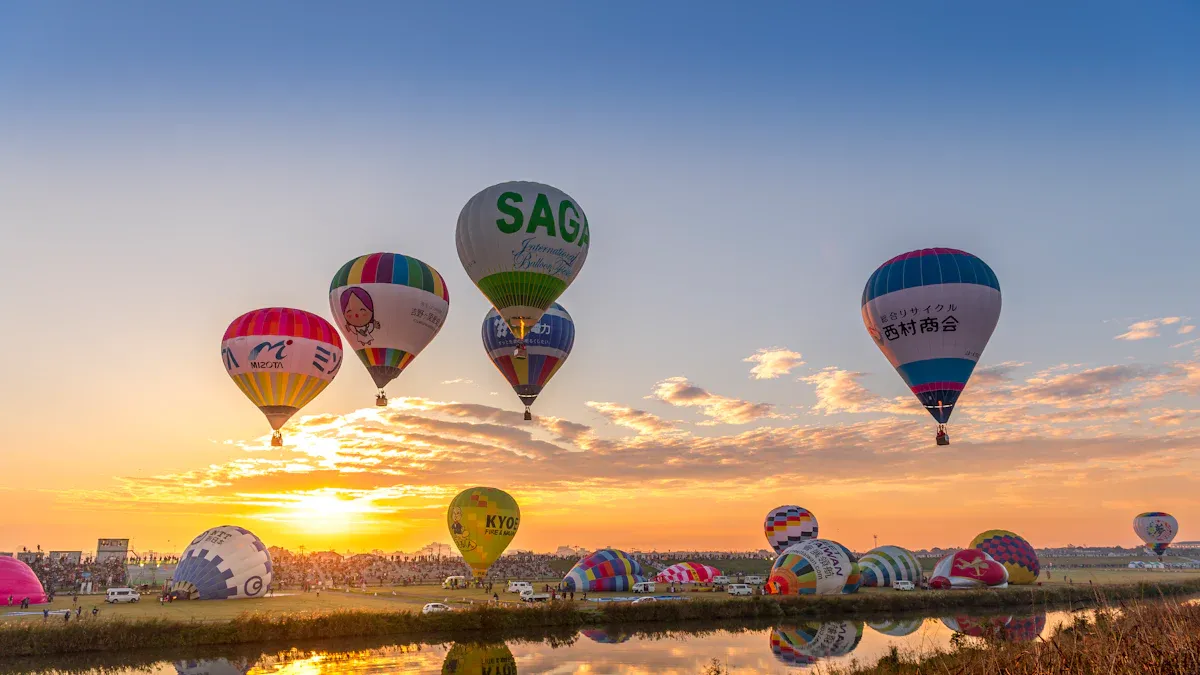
(389, 307)
(1011, 550)
(886, 564)
(787, 525)
(605, 570)
(815, 567)
(687, 573)
(931, 312)
(548, 345)
(281, 359)
(223, 563)
(482, 521)
(1157, 529)
(522, 244)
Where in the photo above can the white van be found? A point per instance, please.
(721, 579)
(518, 586)
(118, 595)
(644, 587)
(739, 589)
(903, 585)
(454, 581)
(754, 581)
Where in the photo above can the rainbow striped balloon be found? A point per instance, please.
(548, 344)
(281, 359)
(389, 307)
(787, 525)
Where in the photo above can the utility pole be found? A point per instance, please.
(876, 540)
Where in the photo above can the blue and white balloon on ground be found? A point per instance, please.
(932, 312)
(224, 563)
(886, 564)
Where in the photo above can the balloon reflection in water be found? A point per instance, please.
(609, 636)
(806, 643)
(479, 659)
(897, 627)
(213, 667)
(1007, 628)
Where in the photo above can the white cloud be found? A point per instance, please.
(1144, 330)
(458, 380)
(773, 362)
(679, 392)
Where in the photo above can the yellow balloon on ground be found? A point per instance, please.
(482, 521)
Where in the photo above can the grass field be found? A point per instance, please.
(415, 597)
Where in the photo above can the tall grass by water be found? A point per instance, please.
(35, 638)
(1150, 638)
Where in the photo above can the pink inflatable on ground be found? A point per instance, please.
(18, 581)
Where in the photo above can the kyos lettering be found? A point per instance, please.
(502, 525)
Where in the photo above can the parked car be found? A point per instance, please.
(435, 607)
(648, 598)
(739, 589)
(518, 586)
(754, 580)
(901, 585)
(528, 595)
(721, 580)
(120, 595)
(644, 587)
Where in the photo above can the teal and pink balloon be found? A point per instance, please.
(1156, 529)
(932, 312)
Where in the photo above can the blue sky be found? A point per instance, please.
(163, 169)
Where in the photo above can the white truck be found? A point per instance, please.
(528, 595)
(644, 587)
(754, 580)
(720, 580)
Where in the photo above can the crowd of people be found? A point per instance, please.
(299, 571)
(63, 575)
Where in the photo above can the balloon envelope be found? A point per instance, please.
(897, 627)
(522, 244)
(482, 522)
(1156, 529)
(19, 581)
(968, 568)
(687, 573)
(389, 307)
(1011, 550)
(281, 359)
(548, 344)
(605, 570)
(787, 525)
(885, 564)
(223, 563)
(815, 567)
(931, 312)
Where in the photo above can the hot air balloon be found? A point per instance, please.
(932, 312)
(806, 643)
(522, 244)
(885, 564)
(897, 627)
(977, 626)
(1157, 529)
(493, 658)
(968, 568)
(548, 345)
(482, 521)
(281, 359)
(389, 307)
(687, 573)
(815, 567)
(1011, 550)
(605, 570)
(224, 563)
(787, 525)
(19, 581)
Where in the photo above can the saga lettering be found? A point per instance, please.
(567, 227)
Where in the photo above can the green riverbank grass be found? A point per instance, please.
(32, 638)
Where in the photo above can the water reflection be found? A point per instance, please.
(742, 647)
(214, 667)
(807, 643)
(479, 659)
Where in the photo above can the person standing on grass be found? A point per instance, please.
(45, 615)
(95, 611)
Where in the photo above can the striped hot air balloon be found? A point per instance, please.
(281, 359)
(931, 312)
(548, 344)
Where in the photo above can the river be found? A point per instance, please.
(741, 647)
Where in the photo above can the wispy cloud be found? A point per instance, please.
(840, 391)
(680, 392)
(1150, 328)
(773, 362)
(458, 380)
(639, 420)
